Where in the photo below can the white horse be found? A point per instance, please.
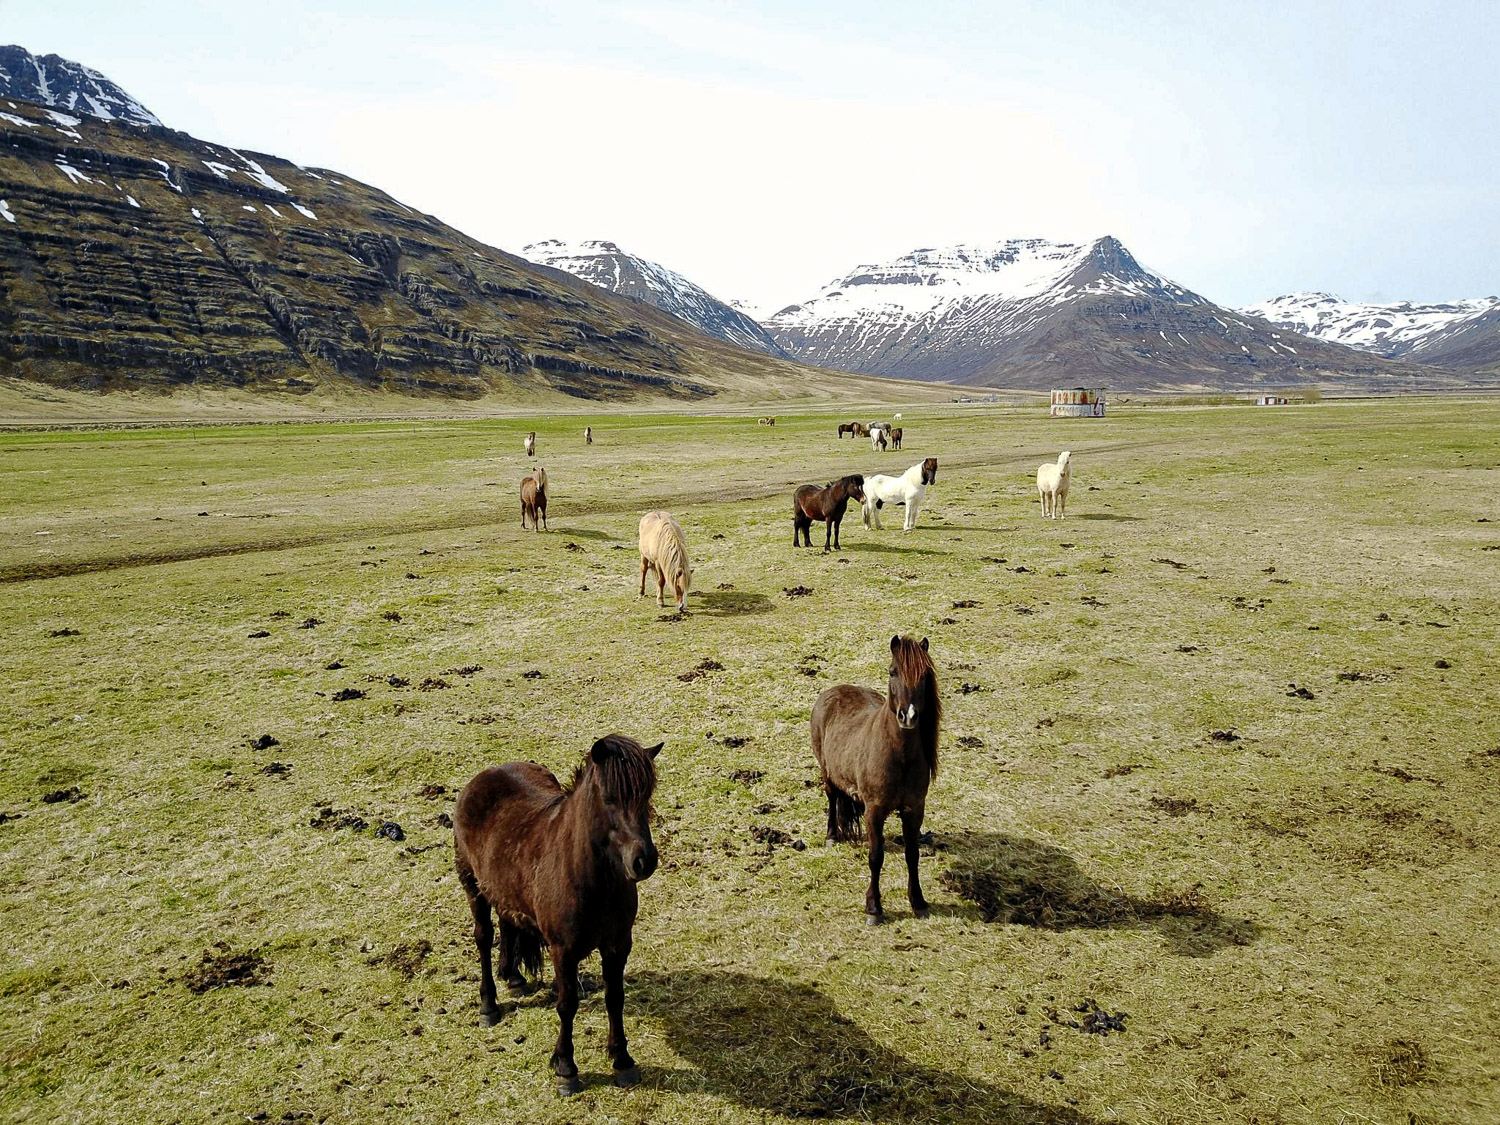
(880, 436)
(1052, 484)
(910, 488)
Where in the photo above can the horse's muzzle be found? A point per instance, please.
(906, 718)
(643, 865)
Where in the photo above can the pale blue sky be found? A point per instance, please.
(1244, 150)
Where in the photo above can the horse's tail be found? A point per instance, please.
(525, 950)
(848, 814)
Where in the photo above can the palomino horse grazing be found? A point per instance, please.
(560, 865)
(588, 435)
(878, 754)
(910, 488)
(664, 550)
(1052, 483)
(534, 498)
(879, 437)
(811, 503)
(528, 443)
(896, 437)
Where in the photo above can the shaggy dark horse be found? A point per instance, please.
(877, 755)
(852, 428)
(896, 438)
(560, 867)
(811, 503)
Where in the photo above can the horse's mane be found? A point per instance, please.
(670, 548)
(539, 474)
(626, 776)
(914, 666)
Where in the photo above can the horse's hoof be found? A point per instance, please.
(874, 919)
(516, 987)
(922, 912)
(630, 1076)
(567, 1087)
(490, 1016)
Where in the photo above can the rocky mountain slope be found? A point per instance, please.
(604, 264)
(1033, 313)
(64, 85)
(1463, 335)
(136, 257)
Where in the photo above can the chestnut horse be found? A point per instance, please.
(559, 865)
(811, 503)
(896, 437)
(877, 755)
(534, 498)
(848, 428)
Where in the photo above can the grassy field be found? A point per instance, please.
(1220, 759)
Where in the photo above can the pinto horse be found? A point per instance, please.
(811, 503)
(559, 865)
(877, 755)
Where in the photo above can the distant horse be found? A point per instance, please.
(851, 428)
(860, 429)
(896, 437)
(766, 421)
(877, 755)
(560, 867)
(879, 438)
(811, 503)
(534, 498)
(910, 488)
(664, 550)
(1052, 484)
(588, 435)
(528, 443)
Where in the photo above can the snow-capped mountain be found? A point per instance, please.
(604, 264)
(1427, 333)
(1033, 312)
(65, 85)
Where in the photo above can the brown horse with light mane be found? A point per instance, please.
(878, 754)
(851, 428)
(811, 503)
(559, 865)
(534, 498)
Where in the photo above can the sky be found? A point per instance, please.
(1243, 150)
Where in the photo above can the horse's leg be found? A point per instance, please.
(626, 1073)
(875, 825)
(827, 534)
(510, 968)
(484, 939)
(543, 507)
(911, 833)
(645, 566)
(911, 514)
(565, 972)
(661, 585)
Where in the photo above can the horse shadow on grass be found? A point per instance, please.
(884, 549)
(782, 1047)
(1023, 882)
(582, 533)
(1107, 516)
(730, 603)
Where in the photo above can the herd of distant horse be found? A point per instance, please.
(559, 864)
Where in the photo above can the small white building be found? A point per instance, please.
(1272, 400)
(1079, 402)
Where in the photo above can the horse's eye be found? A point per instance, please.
(893, 669)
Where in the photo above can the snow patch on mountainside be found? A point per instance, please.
(50, 80)
(1392, 329)
(604, 264)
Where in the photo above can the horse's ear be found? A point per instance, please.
(655, 750)
(602, 751)
(895, 643)
(924, 644)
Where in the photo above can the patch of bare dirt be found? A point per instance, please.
(704, 668)
(433, 683)
(222, 967)
(797, 591)
(405, 958)
(745, 777)
(69, 795)
(1176, 806)
(343, 695)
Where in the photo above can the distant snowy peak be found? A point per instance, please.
(69, 86)
(1394, 329)
(934, 282)
(604, 264)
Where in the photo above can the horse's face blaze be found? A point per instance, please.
(905, 700)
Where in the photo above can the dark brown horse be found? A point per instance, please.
(896, 438)
(877, 755)
(560, 867)
(848, 428)
(811, 503)
(534, 498)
